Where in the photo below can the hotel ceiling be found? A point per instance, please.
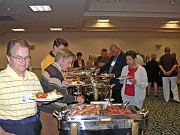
(82, 15)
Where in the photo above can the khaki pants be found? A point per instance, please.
(166, 91)
(49, 124)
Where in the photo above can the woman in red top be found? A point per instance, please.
(134, 81)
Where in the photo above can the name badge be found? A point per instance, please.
(26, 97)
(128, 82)
(113, 63)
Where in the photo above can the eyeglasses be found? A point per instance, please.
(19, 58)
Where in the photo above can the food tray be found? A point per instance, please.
(135, 115)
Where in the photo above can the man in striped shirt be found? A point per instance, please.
(18, 113)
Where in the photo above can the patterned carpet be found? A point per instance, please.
(163, 117)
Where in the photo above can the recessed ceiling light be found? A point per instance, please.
(40, 8)
(103, 20)
(173, 22)
(56, 29)
(17, 29)
(8, 9)
(172, 2)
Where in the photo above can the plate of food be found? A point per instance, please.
(107, 99)
(75, 83)
(123, 77)
(104, 75)
(40, 96)
(79, 73)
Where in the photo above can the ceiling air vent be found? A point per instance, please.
(6, 18)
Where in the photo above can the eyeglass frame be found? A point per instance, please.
(19, 58)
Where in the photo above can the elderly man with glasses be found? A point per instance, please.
(18, 113)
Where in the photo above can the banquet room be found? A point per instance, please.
(88, 26)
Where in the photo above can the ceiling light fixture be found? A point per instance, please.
(40, 8)
(103, 21)
(173, 22)
(8, 9)
(17, 29)
(56, 29)
(172, 2)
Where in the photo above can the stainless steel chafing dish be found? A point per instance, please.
(95, 89)
(115, 124)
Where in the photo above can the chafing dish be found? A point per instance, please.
(95, 89)
(129, 123)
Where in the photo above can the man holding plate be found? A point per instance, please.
(18, 113)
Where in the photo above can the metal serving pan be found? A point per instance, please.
(121, 122)
(136, 114)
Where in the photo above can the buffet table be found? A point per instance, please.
(101, 123)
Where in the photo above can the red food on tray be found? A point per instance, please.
(117, 109)
(41, 95)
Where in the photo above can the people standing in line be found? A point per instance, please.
(53, 79)
(104, 54)
(100, 61)
(114, 67)
(53, 76)
(168, 64)
(152, 68)
(79, 62)
(140, 59)
(134, 87)
(103, 58)
(92, 62)
(59, 43)
(18, 113)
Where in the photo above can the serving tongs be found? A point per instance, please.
(110, 91)
(69, 108)
(124, 105)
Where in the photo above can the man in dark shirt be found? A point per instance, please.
(168, 64)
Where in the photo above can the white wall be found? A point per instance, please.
(93, 42)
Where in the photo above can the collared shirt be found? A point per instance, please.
(48, 60)
(15, 93)
(112, 64)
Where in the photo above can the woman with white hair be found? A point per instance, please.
(91, 63)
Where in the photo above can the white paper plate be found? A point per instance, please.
(99, 102)
(122, 78)
(107, 99)
(47, 99)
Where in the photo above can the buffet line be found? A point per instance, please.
(99, 116)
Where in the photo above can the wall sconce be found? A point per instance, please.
(157, 47)
(31, 47)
